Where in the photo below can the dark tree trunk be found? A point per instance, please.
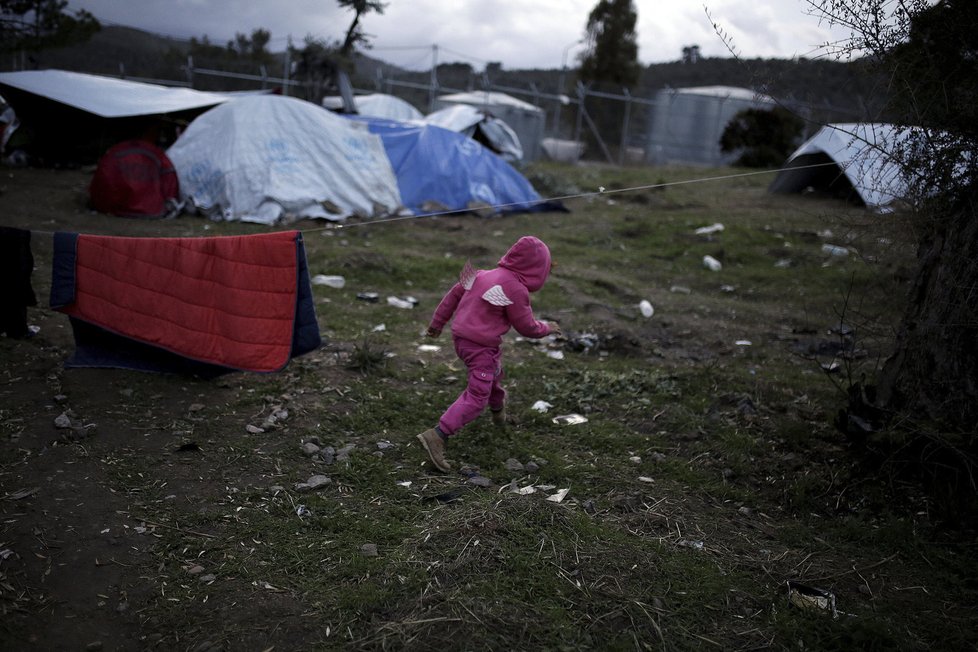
(932, 377)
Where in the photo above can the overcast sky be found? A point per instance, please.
(518, 33)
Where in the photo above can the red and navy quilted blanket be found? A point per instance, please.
(197, 305)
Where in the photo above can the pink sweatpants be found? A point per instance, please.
(484, 388)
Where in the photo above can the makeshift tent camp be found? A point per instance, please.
(524, 118)
(438, 169)
(685, 124)
(850, 160)
(75, 117)
(377, 105)
(135, 179)
(481, 126)
(264, 158)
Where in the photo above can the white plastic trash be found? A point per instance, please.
(712, 264)
(541, 406)
(707, 230)
(330, 281)
(834, 250)
(399, 303)
(646, 308)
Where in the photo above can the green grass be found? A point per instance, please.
(707, 475)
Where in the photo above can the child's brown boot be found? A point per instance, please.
(498, 416)
(435, 447)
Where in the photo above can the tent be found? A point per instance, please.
(526, 119)
(483, 127)
(685, 124)
(135, 179)
(377, 105)
(851, 160)
(439, 169)
(75, 117)
(267, 157)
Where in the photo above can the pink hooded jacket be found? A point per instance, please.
(486, 303)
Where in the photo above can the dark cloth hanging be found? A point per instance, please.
(16, 292)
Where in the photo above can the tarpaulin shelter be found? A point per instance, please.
(439, 169)
(526, 119)
(377, 105)
(854, 161)
(75, 117)
(135, 178)
(481, 126)
(268, 157)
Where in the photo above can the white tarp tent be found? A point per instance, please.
(108, 97)
(266, 158)
(845, 158)
(526, 119)
(476, 123)
(381, 105)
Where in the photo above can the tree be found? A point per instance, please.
(355, 34)
(766, 137)
(925, 399)
(612, 48)
(610, 61)
(35, 25)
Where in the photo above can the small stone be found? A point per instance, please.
(658, 457)
(327, 455)
(309, 449)
(745, 511)
(195, 407)
(317, 481)
(513, 464)
(210, 577)
(369, 550)
(196, 569)
(480, 481)
(343, 454)
(384, 445)
(728, 474)
(532, 467)
(62, 421)
(254, 430)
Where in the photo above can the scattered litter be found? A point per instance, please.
(831, 367)
(712, 264)
(783, 263)
(635, 459)
(380, 328)
(556, 355)
(384, 444)
(429, 348)
(743, 342)
(646, 479)
(369, 297)
(679, 289)
(253, 429)
(569, 419)
(834, 250)
(559, 496)
(727, 288)
(399, 303)
(646, 308)
(302, 510)
(331, 281)
(6, 553)
(546, 487)
(808, 597)
(404, 483)
(369, 550)
(707, 230)
(541, 406)
(314, 482)
(695, 545)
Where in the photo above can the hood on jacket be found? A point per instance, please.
(529, 259)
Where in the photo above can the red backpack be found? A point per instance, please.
(134, 178)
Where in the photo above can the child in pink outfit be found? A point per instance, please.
(486, 304)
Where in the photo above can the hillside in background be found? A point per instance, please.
(838, 91)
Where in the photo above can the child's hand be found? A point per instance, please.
(555, 329)
(433, 332)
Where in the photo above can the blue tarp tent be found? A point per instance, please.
(438, 169)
